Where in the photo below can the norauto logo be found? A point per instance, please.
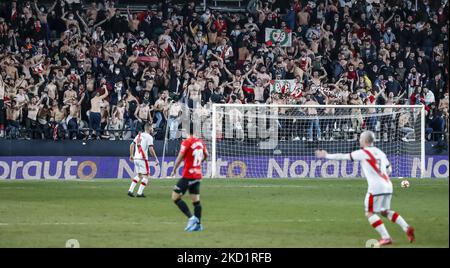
(86, 168)
(35, 170)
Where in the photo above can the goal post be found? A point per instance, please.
(279, 141)
(422, 141)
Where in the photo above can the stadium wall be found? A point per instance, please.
(121, 148)
(34, 160)
(76, 148)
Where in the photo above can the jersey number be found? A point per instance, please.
(198, 157)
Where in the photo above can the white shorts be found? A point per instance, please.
(377, 203)
(141, 167)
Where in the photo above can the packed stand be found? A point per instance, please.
(78, 71)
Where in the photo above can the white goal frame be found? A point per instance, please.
(216, 106)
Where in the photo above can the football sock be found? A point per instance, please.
(183, 207)
(197, 210)
(133, 184)
(396, 218)
(378, 225)
(142, 186)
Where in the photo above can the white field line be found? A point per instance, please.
(149, 186)
(265, 221)
(170, 222)
(258, 186)
(79, 223)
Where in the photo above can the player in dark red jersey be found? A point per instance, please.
(193, 151)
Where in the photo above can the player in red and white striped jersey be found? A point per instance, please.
(139, 148)
(376, 168)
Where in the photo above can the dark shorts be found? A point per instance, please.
(187, 184)
(95, 120)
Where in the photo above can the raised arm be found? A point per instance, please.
(52, 7)
(63, 17)
(143, 73)
(67, 65)
(249, 72)
(105, 94)
(199, 68)
(383, 94)
(81, 99)
(86, 27)
(389, 19)
(41, 99)
(191, 30)
(322, 29)
(325, 74)
(326, 155)
(217, 57)
(267, 84)
(225, 84)
(41, 81)
(249, 82)
(227, 71)
(130, 18)
(380, 92)
(337, 82)
(401, 95)
(18, 84)
(37, 9)
(100, 23)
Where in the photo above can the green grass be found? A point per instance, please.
(236, 213)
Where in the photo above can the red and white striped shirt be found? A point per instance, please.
(374, 166)
(142, 142)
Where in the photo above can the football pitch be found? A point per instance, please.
(236, 213)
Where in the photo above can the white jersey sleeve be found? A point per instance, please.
(375, 167)
(338, 156)
(358, 155)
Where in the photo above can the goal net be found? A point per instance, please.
(279, 141)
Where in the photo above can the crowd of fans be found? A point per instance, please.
(75, 70)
